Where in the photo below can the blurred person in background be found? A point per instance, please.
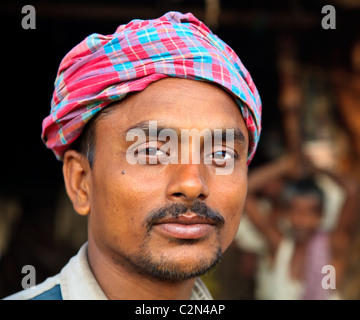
(287, 208)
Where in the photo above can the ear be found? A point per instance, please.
(76, 171)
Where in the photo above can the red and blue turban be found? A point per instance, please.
(104, 68)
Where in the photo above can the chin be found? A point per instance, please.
(303, 236)
(179, 264)
(174, 270)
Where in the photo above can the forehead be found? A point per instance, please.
(180, 103)
(305, 201)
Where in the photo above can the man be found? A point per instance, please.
(157, 223)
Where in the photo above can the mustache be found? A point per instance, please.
(176, 209)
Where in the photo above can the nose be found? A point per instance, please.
(188, 183)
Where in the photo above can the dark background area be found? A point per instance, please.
(31, 176)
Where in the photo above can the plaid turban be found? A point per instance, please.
(103, 69)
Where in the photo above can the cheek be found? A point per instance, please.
(121, 202)
(231, 197)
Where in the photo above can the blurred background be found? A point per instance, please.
(308, 78)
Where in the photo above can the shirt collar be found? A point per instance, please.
(78, 282)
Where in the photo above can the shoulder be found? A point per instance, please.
(47, 290)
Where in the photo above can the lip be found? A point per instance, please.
(185, 227)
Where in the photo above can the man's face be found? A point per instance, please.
(169, 221)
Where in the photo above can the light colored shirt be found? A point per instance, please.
(77, 282)
(275, 282)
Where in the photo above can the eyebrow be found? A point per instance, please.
(144, 126)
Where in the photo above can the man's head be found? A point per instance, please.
(302, 202)
(170, 220)
(157, 218)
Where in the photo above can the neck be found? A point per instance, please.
(120, 283)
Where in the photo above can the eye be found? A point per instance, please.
(222, 155)
(151, 153)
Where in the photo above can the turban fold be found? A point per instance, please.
(104, 68)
